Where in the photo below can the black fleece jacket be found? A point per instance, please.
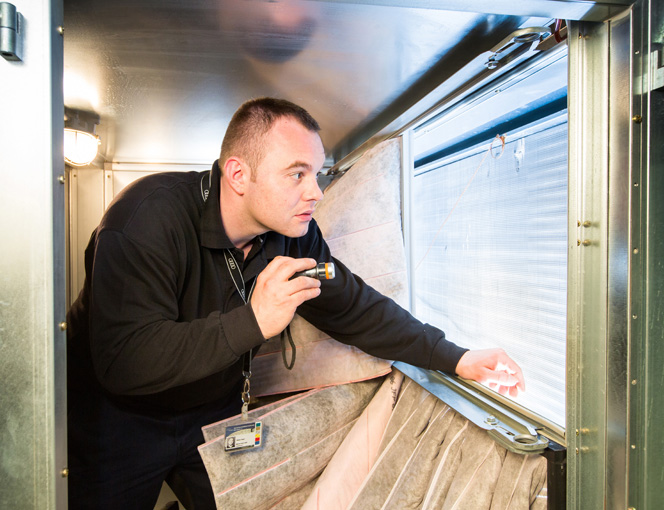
(159, 322)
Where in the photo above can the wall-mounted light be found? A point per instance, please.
(81, 141)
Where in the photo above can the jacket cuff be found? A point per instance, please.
(446, 356)
(241, 329)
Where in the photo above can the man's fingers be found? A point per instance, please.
(283, 268)
(306, 294)
(276, 296)
(510, 366)
(499, 378)
(494, 368)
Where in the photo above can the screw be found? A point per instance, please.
(63, 326)
(491, 63)
(65, 472)
(637, 119)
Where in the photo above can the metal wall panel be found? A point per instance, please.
(599, 263)
(618, 260)
(32, 303)
(615, 333)
(646, 444)
(86, 207)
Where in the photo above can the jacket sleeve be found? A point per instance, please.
(354, 313)
(138, 342)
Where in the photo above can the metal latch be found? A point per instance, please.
(521, 36)
(9, 32)
(504, 426)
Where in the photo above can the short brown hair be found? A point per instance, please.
(245, 135)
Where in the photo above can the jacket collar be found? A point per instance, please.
(213, 234)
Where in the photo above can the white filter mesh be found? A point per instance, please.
(490, 268)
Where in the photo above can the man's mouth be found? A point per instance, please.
(306, 216)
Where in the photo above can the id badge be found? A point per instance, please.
(243, 436)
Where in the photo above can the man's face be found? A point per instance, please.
(284, 190)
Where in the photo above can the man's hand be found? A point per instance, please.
(275, 297)
(492, 367)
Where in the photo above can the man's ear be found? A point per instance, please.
(237, 174)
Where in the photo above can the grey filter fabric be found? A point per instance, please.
(300, 435)
(431, 458)
(428, 457)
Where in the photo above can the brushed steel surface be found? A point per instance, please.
(619, 263)
(587, 267)
(599, 269)
(166, 76)
(32, 306)
(646, 448)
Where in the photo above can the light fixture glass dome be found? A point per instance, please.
(80, 147)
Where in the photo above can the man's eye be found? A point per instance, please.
(297, 176)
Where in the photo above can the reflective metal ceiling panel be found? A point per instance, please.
(166, 75)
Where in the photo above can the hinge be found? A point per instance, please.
(10, 40)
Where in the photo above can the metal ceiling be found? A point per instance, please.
(165, 76)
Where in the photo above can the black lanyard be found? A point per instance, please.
(236, 276)
(238, 280)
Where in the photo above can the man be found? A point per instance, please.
(186, 274)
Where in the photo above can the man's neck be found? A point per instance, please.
(236, 228)
(243, 241)
(247, 248)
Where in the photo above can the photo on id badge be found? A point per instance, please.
(243, 436)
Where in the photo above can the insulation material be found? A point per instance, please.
(418, 454)
(434, 458)
(359, 217)
(354, 459)
(521, 484)
(297, 499)
(300, 435)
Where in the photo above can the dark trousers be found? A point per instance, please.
(119, 457)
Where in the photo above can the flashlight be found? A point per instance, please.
(322, 271)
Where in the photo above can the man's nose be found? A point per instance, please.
(313, 190)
